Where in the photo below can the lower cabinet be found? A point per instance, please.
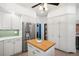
(10, 47)
(18, 45)
(33, 51)
(1, 48)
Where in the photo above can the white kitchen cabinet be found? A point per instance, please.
(1, 48)
(12, 46)
(9, 21)
(20, 23)
(18, 45)
(53, 32)
(6, 23)
(72, 38)
(63, 37)
(8, 47)
(67, 34)
(63, 32)
(33, 51)
(16, 22)
(1, 20)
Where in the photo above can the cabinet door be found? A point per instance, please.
(19, 23)
(63, 36)
(1, 48)
(63, 30)
(15, 22)
(33, 51)
(8, 47)
(1, 20)
(55, 32)
(6, 24)
(18, 45)
(72, 37)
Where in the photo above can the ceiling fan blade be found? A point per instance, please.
(56, 4)
(36, 5)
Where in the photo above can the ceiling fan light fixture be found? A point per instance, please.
(40, 7)
(43, 7)
(46, 8)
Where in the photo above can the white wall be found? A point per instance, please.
(41, 19)
(26, 18)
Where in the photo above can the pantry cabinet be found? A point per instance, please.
(62, 31)
(1, 48)
(55, 34)
(63, 37)
(53, 31)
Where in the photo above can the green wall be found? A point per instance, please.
(7, 33)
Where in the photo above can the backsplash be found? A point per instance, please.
(7, 33)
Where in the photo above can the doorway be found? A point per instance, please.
(77, 36)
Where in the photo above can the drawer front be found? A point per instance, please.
(33, 50)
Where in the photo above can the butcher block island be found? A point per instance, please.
(45, 48)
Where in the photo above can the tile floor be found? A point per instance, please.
(57, 53)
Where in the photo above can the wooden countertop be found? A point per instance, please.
(44, 45)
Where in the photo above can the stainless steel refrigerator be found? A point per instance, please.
(30, 29)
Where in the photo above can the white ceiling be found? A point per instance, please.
(29, 5)
(36, 9)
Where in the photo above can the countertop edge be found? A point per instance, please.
(40, 48)
(6, 38)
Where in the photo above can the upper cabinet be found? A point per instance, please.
(9, 21)
(6, 23)
(16, 23)
(0, 20)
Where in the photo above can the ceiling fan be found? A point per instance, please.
(55, 4)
